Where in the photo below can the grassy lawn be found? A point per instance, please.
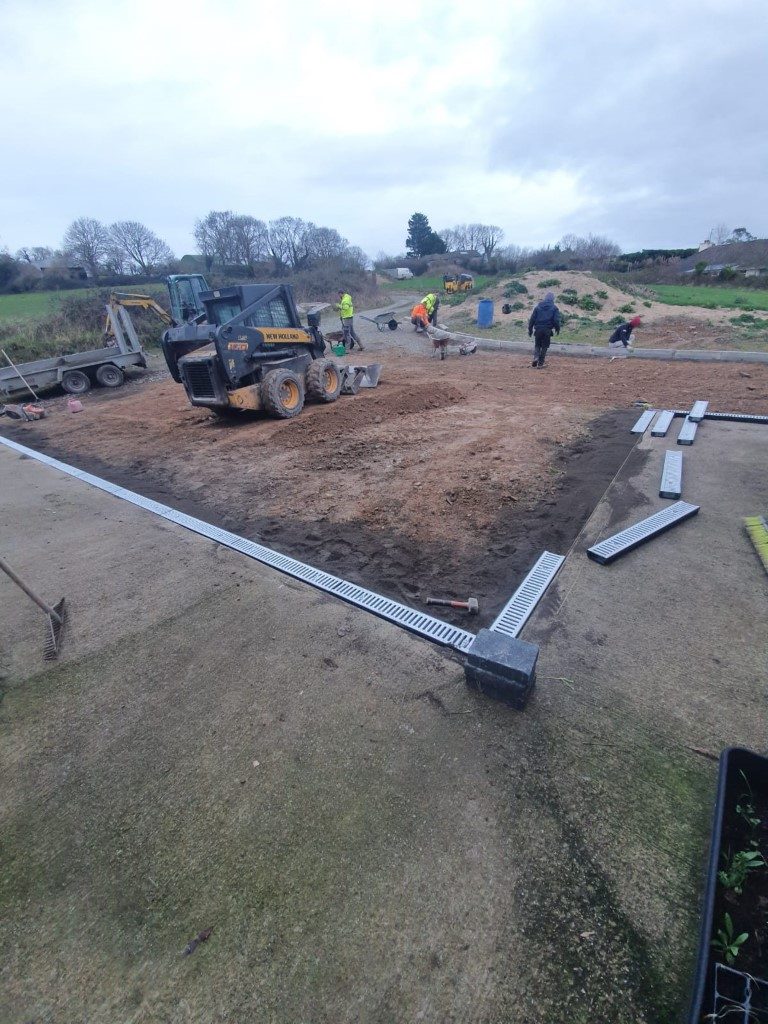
(434, 284)
(711, 298)
(36, 305)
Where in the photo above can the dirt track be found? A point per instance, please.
(446, 480)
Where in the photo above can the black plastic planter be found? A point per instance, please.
(727, 991)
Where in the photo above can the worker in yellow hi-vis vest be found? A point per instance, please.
(431, 303)
(346, 312)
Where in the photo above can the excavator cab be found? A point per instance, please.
(184, 291)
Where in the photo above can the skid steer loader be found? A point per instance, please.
(252, 353)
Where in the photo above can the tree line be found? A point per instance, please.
(231, 242)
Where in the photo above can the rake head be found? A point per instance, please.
(54, 628)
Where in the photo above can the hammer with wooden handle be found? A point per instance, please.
(471, 605)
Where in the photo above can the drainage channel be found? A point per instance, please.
(414, 621)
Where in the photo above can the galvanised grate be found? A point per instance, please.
(736, 417)
(620, 543)
(518, 608)
(672, 475)
(688, 430)
(393, 611)
(698, 411)
(661, 426)
(644, 422)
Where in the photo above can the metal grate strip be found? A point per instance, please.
(518, 608)
(620, 543)
(661, 426)
(688, 430)
(644, 422)
(409, 618)
(736, 417)
(672, 475)
(697, 412)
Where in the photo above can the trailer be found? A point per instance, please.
(78, 371)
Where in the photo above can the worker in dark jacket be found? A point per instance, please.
(545, 319)
(623, 333)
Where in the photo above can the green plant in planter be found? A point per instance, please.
(737, 868)
(726, 942)
(745, 808)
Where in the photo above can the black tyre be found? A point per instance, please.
(323, 381)
(282, 392)
(110, 376)
(75, 382)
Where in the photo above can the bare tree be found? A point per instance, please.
(142, 250)
(289, 242)
(36, 254)
(490, 237)
(251, 241)
(719, 234)
(216, 237)
(86, 241)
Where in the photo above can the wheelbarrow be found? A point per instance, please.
(382, 320)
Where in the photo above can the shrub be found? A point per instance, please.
(550, 282)
(602, 295)
(588, 302)
(727, 274)
(615, 321)
(568, 298)
(518, 305)
(627, 308)
(744, 318)
(514, 288)
(648, 304)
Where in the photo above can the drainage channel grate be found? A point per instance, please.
(644, 422)
(698, 411)
(661, 426)
(613, 547)
(401, 615)
(672, 475)
(518, 608)
(735, 417)
(688, 430)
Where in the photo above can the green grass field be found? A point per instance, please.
(36, 305)
(434, 284)
(711, 298)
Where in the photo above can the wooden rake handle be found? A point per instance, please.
(29, 592)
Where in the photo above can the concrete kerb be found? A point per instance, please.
(692, 355)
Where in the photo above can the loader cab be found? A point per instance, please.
(184, 291)
(252, 305)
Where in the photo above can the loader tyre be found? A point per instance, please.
(323, 381)
(282, 392)
(110, 376)
(75, 382)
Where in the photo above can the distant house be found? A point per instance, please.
(706, 244)
(749, 259)
(48, 267)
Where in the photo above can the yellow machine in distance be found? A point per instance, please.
(458, 283)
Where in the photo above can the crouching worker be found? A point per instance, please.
(544, 319)
(419, 317)
(623, 333)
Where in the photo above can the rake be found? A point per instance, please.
(55, 614)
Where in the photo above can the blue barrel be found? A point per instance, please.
(485, 313)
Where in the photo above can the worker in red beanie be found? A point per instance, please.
(623, 333)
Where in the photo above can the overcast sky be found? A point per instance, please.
(644, 122)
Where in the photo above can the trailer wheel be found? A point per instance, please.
(110, 376)
(323, 381)
(282, 392)
(75, 382)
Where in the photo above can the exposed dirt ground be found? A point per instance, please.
(447, 480)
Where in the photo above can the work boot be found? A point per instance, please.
(541, 363)
(535, 363)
